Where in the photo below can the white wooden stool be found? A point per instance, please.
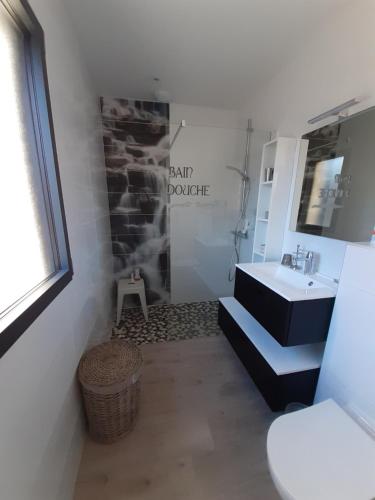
(125, 287)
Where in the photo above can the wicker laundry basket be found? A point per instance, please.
(109, 375)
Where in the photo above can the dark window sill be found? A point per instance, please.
(14, 324)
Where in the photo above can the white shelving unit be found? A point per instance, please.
(282, 154)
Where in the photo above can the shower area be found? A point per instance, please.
(182, 187)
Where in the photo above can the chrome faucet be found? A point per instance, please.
(296, 257)
(306, 257)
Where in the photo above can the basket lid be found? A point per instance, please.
(110, 363)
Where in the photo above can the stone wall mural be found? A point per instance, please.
(136, 146)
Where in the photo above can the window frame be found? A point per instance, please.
(18, 317)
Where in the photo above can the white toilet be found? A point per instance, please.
(321, 453)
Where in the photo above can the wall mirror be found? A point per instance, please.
(335, 197)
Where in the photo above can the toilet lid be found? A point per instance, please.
(321, 453)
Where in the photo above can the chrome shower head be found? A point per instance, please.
(236, 169)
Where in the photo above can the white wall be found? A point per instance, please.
(334, 66)
(40, 421)
(201, 242)
(347, 372)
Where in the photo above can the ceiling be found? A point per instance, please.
(205, 52)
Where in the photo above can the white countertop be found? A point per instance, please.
(289, 284)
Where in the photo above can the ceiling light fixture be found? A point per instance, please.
(336, 111)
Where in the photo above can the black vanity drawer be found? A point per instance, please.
(290, 323)
(277, 390)
(267, 307)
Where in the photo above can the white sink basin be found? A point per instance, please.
(290, 284)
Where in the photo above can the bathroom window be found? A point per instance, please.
(35, 262)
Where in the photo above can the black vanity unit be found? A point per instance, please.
(278, 341)
(290, 323)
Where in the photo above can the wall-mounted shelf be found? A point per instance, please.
(281, 154)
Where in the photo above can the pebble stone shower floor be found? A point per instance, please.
(169, 322)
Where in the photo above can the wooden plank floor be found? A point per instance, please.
(201, 434)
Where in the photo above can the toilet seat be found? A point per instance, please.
(321, 453)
